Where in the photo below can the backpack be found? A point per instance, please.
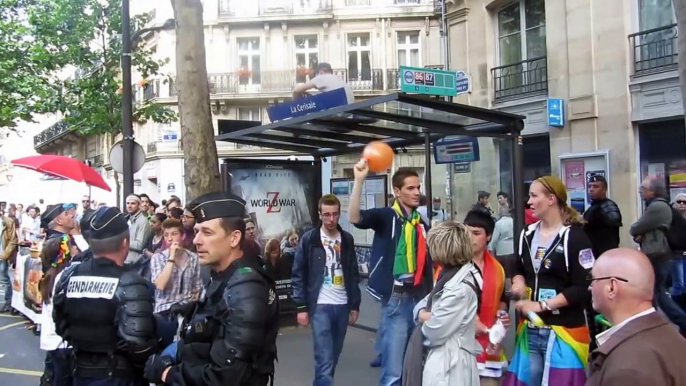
(676, 233)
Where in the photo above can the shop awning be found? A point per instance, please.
(399, 119)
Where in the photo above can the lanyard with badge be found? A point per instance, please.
(540, 259)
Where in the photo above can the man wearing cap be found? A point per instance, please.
(61, 216)
(230, 338)
(105, 311)
(324, 80)
(603, 218)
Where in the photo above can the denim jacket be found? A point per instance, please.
(309, 265)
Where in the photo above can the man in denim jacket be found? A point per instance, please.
(326, 287)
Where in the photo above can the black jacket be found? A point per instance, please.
(309, 266)
(561, 272)
(603, 220)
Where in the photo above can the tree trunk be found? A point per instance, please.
(680, 11)
(201, 167)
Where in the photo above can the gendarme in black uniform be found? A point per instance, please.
(603, 220)
(230, 337)
(105, 311)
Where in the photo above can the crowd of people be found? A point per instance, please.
(183, 295)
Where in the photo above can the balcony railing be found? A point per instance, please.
(151, 90)
(655, 50)
(95, 161)
(520, 80)
(50, 133)
(255, 8)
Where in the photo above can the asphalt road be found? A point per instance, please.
(21, 360)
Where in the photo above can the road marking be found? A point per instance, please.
(11, 316)
(13, 325)
(21, 372)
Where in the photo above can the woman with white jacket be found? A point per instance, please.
(448, 314)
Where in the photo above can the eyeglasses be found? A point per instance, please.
(591, 279)
(681, 202)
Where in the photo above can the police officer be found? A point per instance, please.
(105, 311)
(230, 337)
(603, 218)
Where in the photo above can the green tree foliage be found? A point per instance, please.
(65, 58)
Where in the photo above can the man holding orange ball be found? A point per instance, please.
(401, 273)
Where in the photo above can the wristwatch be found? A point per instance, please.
(544, 305)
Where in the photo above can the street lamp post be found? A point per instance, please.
(127, 99)
(127, 91)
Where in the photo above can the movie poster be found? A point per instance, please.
(279, 200)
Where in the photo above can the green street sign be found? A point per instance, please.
(428, 81)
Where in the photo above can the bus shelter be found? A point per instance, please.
(404, 122)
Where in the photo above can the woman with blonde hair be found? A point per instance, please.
(447, 315)
(551, 280)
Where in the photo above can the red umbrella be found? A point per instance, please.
(64, 167)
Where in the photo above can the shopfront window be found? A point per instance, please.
(662, 153)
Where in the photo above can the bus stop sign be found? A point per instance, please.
(428, 81)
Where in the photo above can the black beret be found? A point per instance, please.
(217, 205)
(107, 222)
(51, 213)
(597, 178)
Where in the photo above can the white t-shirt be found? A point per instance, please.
(333, 288)
(49, 340)
(328, 82)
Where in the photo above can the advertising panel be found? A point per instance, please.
(281, 199)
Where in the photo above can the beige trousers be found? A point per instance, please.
(485, 381)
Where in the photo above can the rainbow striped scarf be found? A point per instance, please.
(410, 253)
(565, 362)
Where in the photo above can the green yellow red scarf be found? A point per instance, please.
(410, 253)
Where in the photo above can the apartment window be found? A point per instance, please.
(655, 14)
(521, 31)
(249, 61)
(407, 1)
(351, 3)
(359, 57)
(306, 56)
(408, 49)
(248, 114)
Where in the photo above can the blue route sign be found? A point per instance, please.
(310, 104)
(428, 81)
(456, 150)
(462, 83)
(556, 112)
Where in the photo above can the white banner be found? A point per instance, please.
(26, 298)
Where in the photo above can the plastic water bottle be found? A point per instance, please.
(496, 334)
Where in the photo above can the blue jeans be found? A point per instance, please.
(538, 347)
(398, 324)
(678, 275)
(663, 270)
(378, 346)
(329, 325)
(166, 326)
(4, 273)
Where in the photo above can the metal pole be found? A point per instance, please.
(127, 99)
(518, 186)
(427, 172)
(446, 66)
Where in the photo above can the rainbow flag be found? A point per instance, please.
(565, 362)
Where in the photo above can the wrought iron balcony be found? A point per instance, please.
(357, 3)
(51, 133)
(256, 8)
(393, 79)
(520, 80)
(152, 147)
(95, 161)
(655, 50)
(366, 79)
(151, 90)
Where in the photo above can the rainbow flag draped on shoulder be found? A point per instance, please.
(565, 362)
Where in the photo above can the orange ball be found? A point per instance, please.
(379, 156)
